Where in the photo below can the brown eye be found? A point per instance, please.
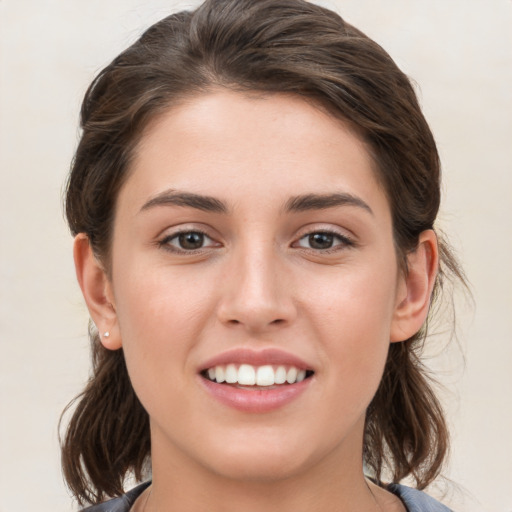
(320, 240)
(190, 241)
(324, 240)
(187, 241)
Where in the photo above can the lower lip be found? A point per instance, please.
(255, 400)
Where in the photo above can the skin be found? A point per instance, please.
(256, 283)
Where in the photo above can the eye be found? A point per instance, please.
(187, 241)
(323, 240)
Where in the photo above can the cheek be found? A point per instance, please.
(157, 299)
(352, 316)
(161, 315)
(357, 302)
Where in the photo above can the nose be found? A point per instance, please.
(256, 291)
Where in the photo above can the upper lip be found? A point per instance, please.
(267, 356)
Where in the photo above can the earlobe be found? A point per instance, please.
(413, 300)
(97, 291)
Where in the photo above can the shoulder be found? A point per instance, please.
(416, 501)
(121, 504)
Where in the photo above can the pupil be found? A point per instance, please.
(191, 240)
(320, 240)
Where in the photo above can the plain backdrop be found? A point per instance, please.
(459, 52)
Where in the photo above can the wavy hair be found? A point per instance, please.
(271, 46)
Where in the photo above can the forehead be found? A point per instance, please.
(225, 143)
(221, 117)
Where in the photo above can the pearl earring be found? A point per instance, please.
(106, 334)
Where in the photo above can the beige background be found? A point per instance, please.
(460, 54)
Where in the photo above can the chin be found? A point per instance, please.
(260, 469)
(262, 459)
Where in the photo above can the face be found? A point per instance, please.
(253, 243)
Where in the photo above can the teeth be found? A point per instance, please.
(219, 374)
(265, 376)
(248, 375)
(231, 374)
(280, 376)
(291, 375)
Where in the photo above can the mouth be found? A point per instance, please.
(256, 381)
(247, 376)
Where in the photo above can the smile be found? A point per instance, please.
(256, 381)
(256, 376)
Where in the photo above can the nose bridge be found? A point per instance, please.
(255, 291)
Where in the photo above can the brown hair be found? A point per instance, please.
(274, 46)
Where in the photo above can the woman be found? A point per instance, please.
(253, 201)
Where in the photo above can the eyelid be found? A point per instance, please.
(164, 240)
(346, 240)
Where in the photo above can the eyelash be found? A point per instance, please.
(344, 241)
(165, 242)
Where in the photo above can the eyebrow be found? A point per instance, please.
(300, 203)
(323, 201)
(176, 198)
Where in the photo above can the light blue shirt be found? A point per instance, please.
(413, 500)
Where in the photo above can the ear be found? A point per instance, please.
(97, 291)
(415, 290)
